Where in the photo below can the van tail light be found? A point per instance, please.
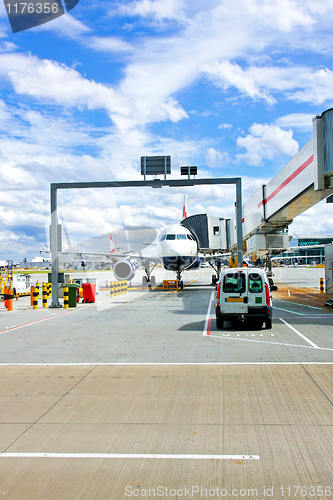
(268, 297)
(218, 294)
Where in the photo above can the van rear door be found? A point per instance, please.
(233, 298)
(257, 292)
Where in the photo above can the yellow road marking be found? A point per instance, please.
(185, 285)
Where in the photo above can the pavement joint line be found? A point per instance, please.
(299, 333)
(130, 456)
(226, 363)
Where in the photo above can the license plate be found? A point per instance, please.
(234, 299)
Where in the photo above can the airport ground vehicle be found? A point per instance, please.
(244, 293)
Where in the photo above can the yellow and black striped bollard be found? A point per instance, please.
(35, 294)
(66, 297)
(44, 294)
(322, 285)
(112, 289)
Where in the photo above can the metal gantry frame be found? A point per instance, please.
(156, 183)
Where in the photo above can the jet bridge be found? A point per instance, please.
(304, 181)
(210, 232)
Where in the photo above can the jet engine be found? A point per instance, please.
(124, 270)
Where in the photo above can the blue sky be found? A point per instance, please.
(229, 87)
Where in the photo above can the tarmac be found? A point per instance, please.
(140, 395)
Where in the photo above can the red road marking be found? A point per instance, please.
(33, 322)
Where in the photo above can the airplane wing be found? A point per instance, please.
(114, 256)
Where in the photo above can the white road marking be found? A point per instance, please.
(297, 304)
(130, 455)
(288, 311)
(299, 333)
(273, 343)
(208, 314)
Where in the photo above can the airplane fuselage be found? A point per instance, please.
(178, 248)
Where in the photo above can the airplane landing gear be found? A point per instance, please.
(148, 280)
(180, 281)
(217, 269)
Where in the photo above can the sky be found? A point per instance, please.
(231, 87)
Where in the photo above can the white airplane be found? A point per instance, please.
(177, 249)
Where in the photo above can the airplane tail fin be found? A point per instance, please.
(185, 207)
(112, 245)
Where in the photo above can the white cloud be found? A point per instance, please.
(317, 87)
(225, 126)
(208, 38)
(316, 220)
(298, 83)
(56, 83)
(215, 158)
(109, 44)
(66, 25)
(265, 142)
(284, 14)
(302, 121)
(158, 9)
(226, 74)
(51, 82)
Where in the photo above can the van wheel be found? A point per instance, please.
(219, 323)
(268, 323)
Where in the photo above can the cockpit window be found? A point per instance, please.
(162, 237)
(170, 237)
(181, 236)
(188, 237)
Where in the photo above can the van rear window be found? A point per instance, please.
(234, 283)
(255, 283)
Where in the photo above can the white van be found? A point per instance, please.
(244, 293)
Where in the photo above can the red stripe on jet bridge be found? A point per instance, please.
(286, 182)
(243, 220)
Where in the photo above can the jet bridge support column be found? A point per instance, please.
(239, 222)
(54, 246)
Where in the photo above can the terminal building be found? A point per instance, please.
(305, 249)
